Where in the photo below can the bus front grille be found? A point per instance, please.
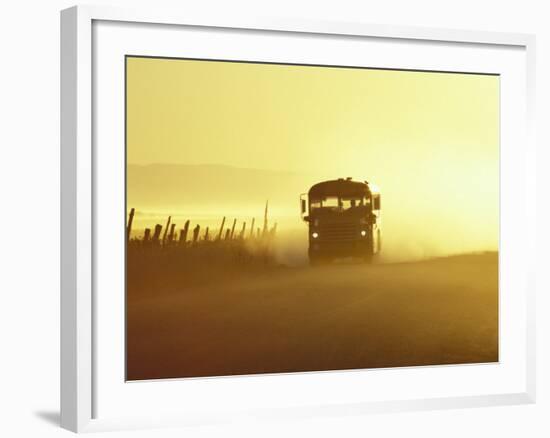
(338, 232)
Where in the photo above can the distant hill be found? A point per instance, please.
(181, 185)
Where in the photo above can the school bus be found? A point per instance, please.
(344, 220)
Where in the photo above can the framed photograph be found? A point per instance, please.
(276, 218)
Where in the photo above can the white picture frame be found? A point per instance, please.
(79, 229)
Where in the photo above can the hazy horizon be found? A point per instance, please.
(207, 204)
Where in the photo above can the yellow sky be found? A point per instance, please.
(429, 140)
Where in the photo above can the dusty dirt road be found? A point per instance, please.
(442, 311)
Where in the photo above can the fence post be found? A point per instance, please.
(196, 231)
(227, 234)
(264, 232)
(206, 235)
(221, 228)
(147, 236)
(252, 228)
(183, 233)
(156, 234)
(233, 228)
(171, 234)
(129, 227)
(166, 229)
(243, 230)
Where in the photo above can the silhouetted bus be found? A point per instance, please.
(343, 217)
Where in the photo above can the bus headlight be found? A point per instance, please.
(315, 234)
(363, 233)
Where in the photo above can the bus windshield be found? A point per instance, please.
(338, 204)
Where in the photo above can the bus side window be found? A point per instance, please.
(376, 202)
